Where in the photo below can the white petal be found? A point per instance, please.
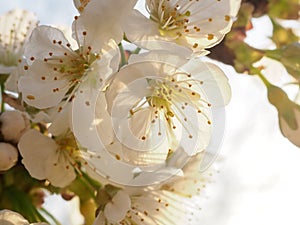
(101, 21)
(61, 121)
(42, 93)
(215, 82)
(159, 56)
(59, 171)
(145, 34)
(90, 102)
(110, 55)
(116, 210)
(212, 18)
(35, 153)
(41, 43)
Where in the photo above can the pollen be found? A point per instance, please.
(118, 157)
(30, 97)
(210, 36)
(227, 18)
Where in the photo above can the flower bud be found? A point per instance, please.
(8, 156)
(13, 125)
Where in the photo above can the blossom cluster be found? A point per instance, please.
(139, 123)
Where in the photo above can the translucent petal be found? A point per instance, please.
(215, 82)
(47, 39)
(40, 88)
(90, 102)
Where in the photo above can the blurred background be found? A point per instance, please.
(258, 181)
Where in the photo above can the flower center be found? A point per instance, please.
(172, 97)
(66, 64)
(172, 20)
(68, 151)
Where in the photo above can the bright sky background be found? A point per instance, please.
(259, 179)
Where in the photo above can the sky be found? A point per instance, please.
(259, 168)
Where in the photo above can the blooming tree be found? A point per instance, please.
(128, 114)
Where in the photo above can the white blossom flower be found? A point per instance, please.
(8, 156)
(154, 110)
(13, 125)
(191, 23)
(56, 70)
(15, 28)
(178, 201)
(8, 217)
(166, 97)
(47, 158)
